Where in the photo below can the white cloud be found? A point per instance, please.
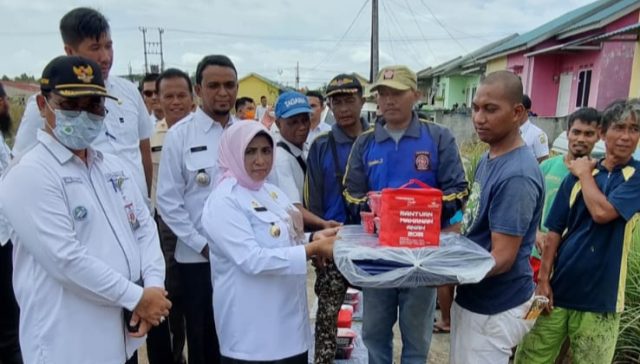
(269, 37)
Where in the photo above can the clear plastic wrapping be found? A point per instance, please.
(364, 263)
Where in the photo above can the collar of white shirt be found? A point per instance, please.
(62, 153)
(295, 150)
(206, 122)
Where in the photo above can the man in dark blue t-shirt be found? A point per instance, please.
(591, 225)
(502, 215)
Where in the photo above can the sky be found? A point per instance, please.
(270, 37)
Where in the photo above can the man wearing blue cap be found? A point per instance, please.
(89, 272)
(293, 120)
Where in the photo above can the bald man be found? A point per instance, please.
(486, 318)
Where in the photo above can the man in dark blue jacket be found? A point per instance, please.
(402, 147)
(323, 187)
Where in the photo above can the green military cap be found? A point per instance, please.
(396, 77)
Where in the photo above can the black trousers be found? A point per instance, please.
(165, 342)
(298, 359)
(9, 311)
(202, 340)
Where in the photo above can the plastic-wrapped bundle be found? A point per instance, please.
(365, 263)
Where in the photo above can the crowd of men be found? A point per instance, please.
(102, 203)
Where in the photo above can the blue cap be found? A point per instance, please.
(291, 103)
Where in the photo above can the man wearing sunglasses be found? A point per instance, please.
(150, 97)
(89, 272)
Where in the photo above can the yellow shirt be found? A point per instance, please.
(156, 141)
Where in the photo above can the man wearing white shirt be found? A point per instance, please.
(262, 109)
(149, 94)
(89, 273)
(534, 137)
(187, 174)
(293, 120)
(318, 126)
(85, 32)
(9, 344)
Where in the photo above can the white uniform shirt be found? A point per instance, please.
(260, 111)
(287, 174)
(126, 123)
(5, 159)
(190, 148)
(313, 134)
(535, 138)
(82, 235)
(259, 277)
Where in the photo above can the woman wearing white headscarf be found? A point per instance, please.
(258, 255)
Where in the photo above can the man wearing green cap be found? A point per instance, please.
(399, 148)
(86, 252)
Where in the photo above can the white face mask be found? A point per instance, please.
(76, 130)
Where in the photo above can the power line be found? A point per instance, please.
(410, 50)
(443, 27)
(332, 52)
(415, 20)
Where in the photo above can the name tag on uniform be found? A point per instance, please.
(131, 216)
(70, 180)
(201, 148)
(157, 148)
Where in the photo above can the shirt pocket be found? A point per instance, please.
(200, 166)
(122, 125)
(270, 230)
(79, 198)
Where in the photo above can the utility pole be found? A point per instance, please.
(297, 76)
(152, 48)
(144, 44)
(374, 41)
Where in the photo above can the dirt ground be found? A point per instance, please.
(438, 354)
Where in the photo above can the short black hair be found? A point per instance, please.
(174, 73)
(243, 101)
(510, 82)
(619, 111)
(526, 102)
(149, 77)
(213, 60)
(263, 97)
(317, 94)
(587, 115)
(82, 23)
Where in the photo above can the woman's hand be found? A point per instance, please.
(325, 233)
(321, 250)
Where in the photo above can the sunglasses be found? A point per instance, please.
(149, 93)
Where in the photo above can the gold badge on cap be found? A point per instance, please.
(274, 230)
(84, 73)
(202, 178)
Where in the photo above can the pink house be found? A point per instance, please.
(586, 57)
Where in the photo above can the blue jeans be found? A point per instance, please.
(416, 309)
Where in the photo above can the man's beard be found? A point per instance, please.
(5, 123)
(221, 112)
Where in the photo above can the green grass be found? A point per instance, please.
(628, 346)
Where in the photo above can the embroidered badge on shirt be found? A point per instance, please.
(273, 195)
(274, 230)
(423, 161)
(80, 213)
(202, 178)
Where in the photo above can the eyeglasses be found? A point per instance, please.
(149, 93)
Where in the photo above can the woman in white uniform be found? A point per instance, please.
(258, 255)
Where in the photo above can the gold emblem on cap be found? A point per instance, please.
(84, 73)
(388, 75)
(274, 230)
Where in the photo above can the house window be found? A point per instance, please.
(584, 84)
